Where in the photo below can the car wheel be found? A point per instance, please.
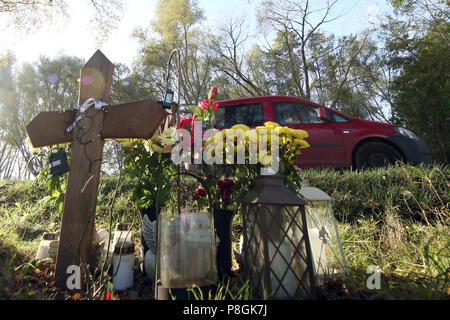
(376, 155)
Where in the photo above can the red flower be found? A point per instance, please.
(226, 187)
(107, 295)
(215, 106)
(222, 185)
(200, 191)
(205, 104)
(212, 93)
(228, 182)
(186, 123)
(226, 196)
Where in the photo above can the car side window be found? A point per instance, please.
(338, 118)
(295, 112)
(250, 114)
(219, 118)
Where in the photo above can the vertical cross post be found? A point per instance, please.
(77, 225)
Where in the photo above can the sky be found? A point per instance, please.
(75, 38)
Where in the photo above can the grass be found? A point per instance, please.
(396, 219)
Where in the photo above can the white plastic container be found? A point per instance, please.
(122, 232)
(123, 265)
(44, 245)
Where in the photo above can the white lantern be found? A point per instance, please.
(327, 253)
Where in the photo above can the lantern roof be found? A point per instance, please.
(314, 194)
(270, 189)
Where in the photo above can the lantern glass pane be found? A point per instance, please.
(324, 237)
(277, 263)
(254, 257)
(187, 250)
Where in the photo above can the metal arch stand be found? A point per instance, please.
(162, 293)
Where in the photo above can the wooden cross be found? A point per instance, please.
(139, 119)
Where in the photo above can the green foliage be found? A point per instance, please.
(48, 85)
(417, 46)
(56, 186)
(177, 25)
(151, 172)
(394, 218)
(422, 101)
(417, 193)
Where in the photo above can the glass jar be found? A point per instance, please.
(187, 250)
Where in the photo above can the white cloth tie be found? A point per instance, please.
(86, 105)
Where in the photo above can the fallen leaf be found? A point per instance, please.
(76, 296)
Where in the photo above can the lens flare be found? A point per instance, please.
(53, 78)
(86, 80)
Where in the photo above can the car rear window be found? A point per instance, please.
(250, 114)
(294, 112)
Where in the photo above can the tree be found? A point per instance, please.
(292, 20)
(419, 46)
(177, 26)
(230, 60)
(48, 85)
(301, 61)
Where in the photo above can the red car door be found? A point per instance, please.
(325, 138)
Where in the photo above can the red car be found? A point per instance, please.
(336, 140)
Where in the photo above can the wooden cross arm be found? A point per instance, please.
(49, 128)
(138, 119)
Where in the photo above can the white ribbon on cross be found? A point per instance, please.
(86, 105)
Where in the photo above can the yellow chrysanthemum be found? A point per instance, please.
(125, 142)
(267, 160)
(301, 143)
(282, 130)
(270, 124)
(286, 140)
(300, 134)
(240, 127)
